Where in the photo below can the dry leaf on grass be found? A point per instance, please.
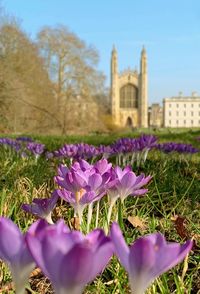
(138, 222)
(180, 226)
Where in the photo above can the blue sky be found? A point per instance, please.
(169, 29)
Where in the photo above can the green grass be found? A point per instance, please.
(174, 190)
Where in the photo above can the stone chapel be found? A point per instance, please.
(129, 93)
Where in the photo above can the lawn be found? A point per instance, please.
(171, 206)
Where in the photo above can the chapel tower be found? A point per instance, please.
(143, 90)
(129, 94)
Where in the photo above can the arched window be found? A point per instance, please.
(129, 96)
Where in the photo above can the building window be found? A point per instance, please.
(184, 122)
(170, 122)
(177, 105)
(177, 122)
(185, 105)
(170, 113)
(192, 105)
(192, 113)
(169, 105)
(192, 122)
(129, 96)
(177, 113)
(184, 113)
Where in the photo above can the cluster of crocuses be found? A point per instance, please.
(71, 260)
(169, 147)
(125, 150)
(131, 150)
(83, 184)
(23, 146)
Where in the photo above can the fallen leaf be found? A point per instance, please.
(138, 222)
(180, 226)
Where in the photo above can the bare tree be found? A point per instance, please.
(47, 85)
(71, 64)
(26, 92)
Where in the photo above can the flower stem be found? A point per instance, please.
(89, 217)
(97, 214)
(112, 203)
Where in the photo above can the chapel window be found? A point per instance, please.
(129, 96)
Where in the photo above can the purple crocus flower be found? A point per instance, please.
(35, 148)
(83, 183)
(127, 183)
(14, 251)
(77, 151)
(148, 257)
(69, 259)
(42, 207)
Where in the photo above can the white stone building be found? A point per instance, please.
(181, 112)
(129, 93)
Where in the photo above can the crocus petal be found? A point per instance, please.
(170, 255)
(94, 181)
(139, 192)
(101, 258)
(119, 172)
(88, 197)
(10, 235)
(96, 238)
(14, 251)
(121, 247)
(128, 180)
(138, 259)
(66, 195)
(35, 247)
(83, 164)
(76, 266)
(61, 181)
(141, 181)
(80, 178)
(103, 166)
(44, 241)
